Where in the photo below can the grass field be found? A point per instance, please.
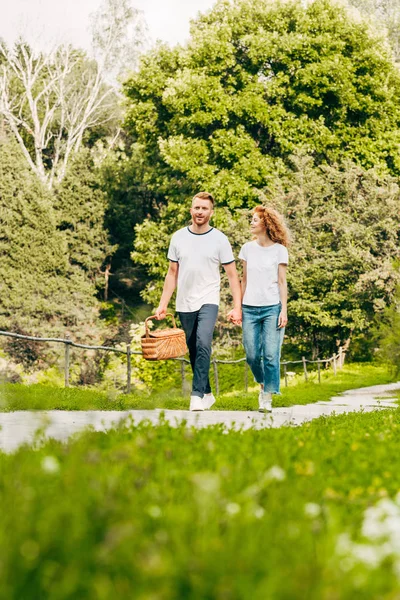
(165, 513)
(44, 397)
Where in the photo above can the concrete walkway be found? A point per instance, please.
(20, 427)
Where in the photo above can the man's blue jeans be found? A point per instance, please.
(199, 328)
(262, 340)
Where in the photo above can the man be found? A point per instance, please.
(195, 254)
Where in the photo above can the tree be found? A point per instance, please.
(79, 206)
(257, 82)
(51, 100)
(39, 290)
(388, 332)
(385, 14)
(342, 271)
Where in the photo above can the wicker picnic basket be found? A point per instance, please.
(163, 343)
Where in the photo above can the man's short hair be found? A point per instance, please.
(204, 196)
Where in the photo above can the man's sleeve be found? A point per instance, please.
(225, 252)
(283, 256)
(172, 251)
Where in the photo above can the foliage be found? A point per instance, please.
(24, 352)
(384, 14)
(129, 202)
(256, 83)
(175, 512)
(345, 225)
(389, 334)
(80, 205)
(39, 288)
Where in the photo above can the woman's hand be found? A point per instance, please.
(235, 316)
(282, 319)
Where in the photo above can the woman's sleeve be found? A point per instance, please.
(283, 256)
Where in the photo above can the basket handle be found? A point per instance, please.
(153, 317)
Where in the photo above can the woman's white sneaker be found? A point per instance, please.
(264, 402)
(196, 403)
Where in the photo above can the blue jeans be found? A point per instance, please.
(262, 340)
(199, 328)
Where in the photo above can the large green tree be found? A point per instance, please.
(40, 290)
(80, 204)
(257, 82)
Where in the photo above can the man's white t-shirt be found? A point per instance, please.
(199, 256)
(262, 272)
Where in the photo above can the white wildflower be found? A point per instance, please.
(50, 464)
(232, 508)
(312, 510)
(154, 512)
(275, 473)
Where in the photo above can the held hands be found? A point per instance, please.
(282, 319)
(235, 316)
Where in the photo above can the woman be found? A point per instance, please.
(264, 300)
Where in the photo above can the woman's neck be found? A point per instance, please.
(264, 240)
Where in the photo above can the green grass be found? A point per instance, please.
(44, 397)
(168, 513)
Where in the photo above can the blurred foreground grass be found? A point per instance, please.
(45, 397)
(169, 513)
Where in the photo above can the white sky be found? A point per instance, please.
(68, 20)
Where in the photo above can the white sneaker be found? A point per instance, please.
(196, 403)
(264, 401)
(208, 401)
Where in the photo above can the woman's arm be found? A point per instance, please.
(282, 321)
(244, 278)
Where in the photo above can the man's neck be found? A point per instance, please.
(200, 229)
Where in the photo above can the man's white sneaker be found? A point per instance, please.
(264, 402)
(208, 401)
(196, 403)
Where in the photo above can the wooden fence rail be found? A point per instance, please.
(337, 360)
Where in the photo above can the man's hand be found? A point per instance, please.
(282, 320)
(235, 316)
(161, 312)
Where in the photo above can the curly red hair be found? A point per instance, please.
(274, 224)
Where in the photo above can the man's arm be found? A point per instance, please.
(234, 315)
(170, 284)
(283, 320)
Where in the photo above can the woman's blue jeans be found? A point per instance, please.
(262, 340)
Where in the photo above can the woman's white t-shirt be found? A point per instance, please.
(262, 272)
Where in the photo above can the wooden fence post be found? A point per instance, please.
(183, 376)
(66, 359)
(216, 376)
(303, 358)
(319, 370)
(334, 364)
(285, 374)
(340, 357)
(246, 376)
(128, 369)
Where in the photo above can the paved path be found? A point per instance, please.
(21, 426)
